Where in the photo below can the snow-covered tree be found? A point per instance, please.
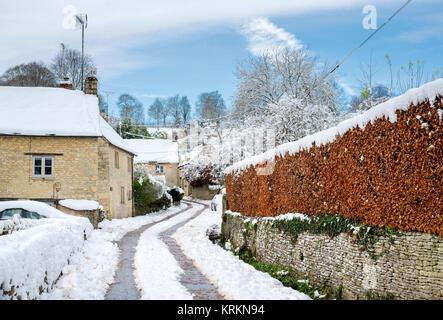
(263, 79)
(293, 119)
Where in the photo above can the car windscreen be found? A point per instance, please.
(9, 213)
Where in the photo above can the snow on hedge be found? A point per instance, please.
(428, 92)
(80, 204)
(233, 278)
(31, 260)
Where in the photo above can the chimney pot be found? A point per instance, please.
(65, 84)
(91, 85)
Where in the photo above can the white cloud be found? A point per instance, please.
(348, 90)
(263, 35)
(119, 31)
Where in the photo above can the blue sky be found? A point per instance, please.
(153, 48)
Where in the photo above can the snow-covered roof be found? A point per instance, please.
(428, 92)
(154, 150)
(35, 111)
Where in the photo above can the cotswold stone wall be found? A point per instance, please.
(411, 267)
(389, 174)
(94, 216)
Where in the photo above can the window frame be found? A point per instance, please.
(43, 158)
(159, 166)
(122, 195)
(116, 160)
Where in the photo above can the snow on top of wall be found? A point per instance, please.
(154, 150)
(427, 92)
(35, 111)
(80, 204)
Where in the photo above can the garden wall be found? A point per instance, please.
(407, 265)
(387, 174)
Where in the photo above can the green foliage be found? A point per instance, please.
(333, 225)
(129, 130)
(285, 276)
(176, 194)
(370, 295)
(147, 198)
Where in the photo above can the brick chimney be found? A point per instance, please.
(91, 85)
(65, 84)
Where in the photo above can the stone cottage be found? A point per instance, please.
(54, 145)
(160, 156)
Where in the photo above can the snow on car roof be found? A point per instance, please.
(37, 111)
(154, 150)
(34, 206)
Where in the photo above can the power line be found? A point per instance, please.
(367, 39)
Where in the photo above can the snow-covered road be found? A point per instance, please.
(169, 257)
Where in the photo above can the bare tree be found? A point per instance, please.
(165, 112)
(68, 63)
(130, 109)
(185, 109)
(173, 104)
(412, 76)
(155, 110)
(210, 105)
(33, 74)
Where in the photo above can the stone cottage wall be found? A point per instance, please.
(409, 268)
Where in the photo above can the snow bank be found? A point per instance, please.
(31, 260)
(428, 92)
(90, 271)
(233, 278)
(157, 273)
(80, 204)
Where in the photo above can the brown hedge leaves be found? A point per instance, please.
(390, 174)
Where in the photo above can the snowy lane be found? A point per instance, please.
(124, 287)
(232, 277)
(194, 281)
(158, 271)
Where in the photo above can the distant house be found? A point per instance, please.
(160, 156)
(55, 145)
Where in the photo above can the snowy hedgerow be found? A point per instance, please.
(202, 174)
(150, 192)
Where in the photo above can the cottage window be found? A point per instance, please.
(129, 164)
(122, 195)
(42, 166)
(159, 168)
(116, 160)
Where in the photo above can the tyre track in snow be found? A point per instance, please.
(192, 279)
(124, 287)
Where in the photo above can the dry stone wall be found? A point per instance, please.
(409, 267)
